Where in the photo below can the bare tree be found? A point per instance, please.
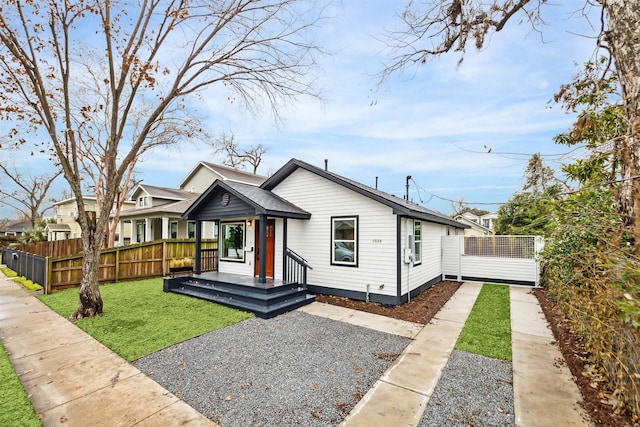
(27, 193)
(156, 53)
(92, 138)
(236, 156)
(433, 28)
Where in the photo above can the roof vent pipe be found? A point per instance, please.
(407, 196)
(326, 164)
(376, 182)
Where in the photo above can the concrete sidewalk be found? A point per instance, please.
(401, 395)
(544, 391)
(72, 379)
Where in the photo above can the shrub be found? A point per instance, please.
(589, 270)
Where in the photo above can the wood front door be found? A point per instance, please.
(271, 245)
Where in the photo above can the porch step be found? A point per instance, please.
(264, 303)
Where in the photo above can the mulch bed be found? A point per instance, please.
(594, 393)
(424, 307)
(421, 309)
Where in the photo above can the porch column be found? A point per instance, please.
(198, 269)
(165, 227)
(147, 229)
(262, 274)
(120, 233)
(285, 274)
(134, 231)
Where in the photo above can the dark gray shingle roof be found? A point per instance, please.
(263, 201)
(400, 206)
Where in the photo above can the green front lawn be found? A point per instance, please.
(15, 406)
(487, 330)
(139, 318)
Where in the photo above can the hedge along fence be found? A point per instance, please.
(138, 261)
(594, 277)
(594, 311)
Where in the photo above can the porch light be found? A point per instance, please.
(249, 224)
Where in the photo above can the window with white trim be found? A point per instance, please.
(344, 241)
(417, 242)
(232, 241)
(191, 230)
(173, 229)
(144, 201)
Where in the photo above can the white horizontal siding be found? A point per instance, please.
(200, 180)
(431, 266)
(506, 269)
(279, 249)
(311, 239)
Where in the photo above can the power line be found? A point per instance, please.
(561, 193)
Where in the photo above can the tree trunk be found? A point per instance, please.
(90, 303)
(623, 37)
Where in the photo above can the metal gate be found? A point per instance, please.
(499, 259)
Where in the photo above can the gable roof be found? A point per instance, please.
(263, 202)
(61, 228)
(226, 173)
(473, 224)
(400, 206)
(176, 208)
(17, 225)
(73, 199)
(161, 192)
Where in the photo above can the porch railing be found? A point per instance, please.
(296, 268)
(209, 259)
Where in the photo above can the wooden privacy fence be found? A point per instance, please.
(138, 261)
(54, 248)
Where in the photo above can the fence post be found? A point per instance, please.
(164, 258)
(117, 272)
(48, 273)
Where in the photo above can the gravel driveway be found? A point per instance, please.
(295, 369)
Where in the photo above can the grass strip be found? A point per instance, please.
(139, 318)
(487, 330)
(8, 272)
(15, 406)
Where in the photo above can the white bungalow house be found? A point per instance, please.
(352, 240)
(158, 210)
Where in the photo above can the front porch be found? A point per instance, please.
(265, 298)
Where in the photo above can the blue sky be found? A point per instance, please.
(434, 123)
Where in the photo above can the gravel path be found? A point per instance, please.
(472, 391)
(295, 369)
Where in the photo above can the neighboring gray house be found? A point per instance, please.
(15, 228)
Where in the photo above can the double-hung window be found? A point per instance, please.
(173, 229)
(232, 241)
(191, 230)
(417, 242)
(344, 241)
(144, 202)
